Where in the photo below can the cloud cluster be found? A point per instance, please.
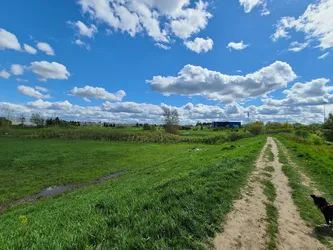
(160, 20)
(315, 92)
(212, 85)
(97, 93)
(249, 5)
(29, 91)
(131, 112)
(315, 23)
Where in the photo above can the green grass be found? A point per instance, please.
(269, 154)
(312, 159)
(171, 197)
(272, 214)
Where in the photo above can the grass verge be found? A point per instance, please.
(176, 204)
(269, 154)
(272, 214)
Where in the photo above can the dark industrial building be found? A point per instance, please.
(226, 124)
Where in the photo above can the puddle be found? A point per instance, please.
(54, 190)
(109, 176)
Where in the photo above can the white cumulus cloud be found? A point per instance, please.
(195, 80)
(158, 19)
(17, 69)
(45, 47)
(97, 93)
(4, 74)
(162, 46)
(83, 29)
(237, 46)
(30, 49)
(41, 89)
(249, 5)
(316, 23)
(46, 70)
(28, 91)
(8, 40)
(200, 45)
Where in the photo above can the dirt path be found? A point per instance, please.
(293, 232)
(245, 226)
(306, 181)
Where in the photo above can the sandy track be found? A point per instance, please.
(245, 226)
(293, 232)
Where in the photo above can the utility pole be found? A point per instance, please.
(324, 112)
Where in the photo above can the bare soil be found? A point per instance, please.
(245, 226)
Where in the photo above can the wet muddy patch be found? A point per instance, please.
(55, 190)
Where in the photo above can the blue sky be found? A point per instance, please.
(123, 61)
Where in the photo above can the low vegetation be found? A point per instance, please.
(177, 201)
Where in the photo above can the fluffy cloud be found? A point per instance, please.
(28, 91)
(162, 46)
(315, 92)
(47, 70)
(45, 47)
(297, 47)
(200, 45)
(237, 46)
(251, 4)
(8, 40)
(323, 56)
(83, 29)
(40, 104)
(195, 80)
(29, 49)
(131, 112)
(82, 44)
(97, 93)
(159, 19)
(4, 74)
(17, 69)
(315, 23)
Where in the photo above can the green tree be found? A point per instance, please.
(171, 120)
(256, 127)
(37, 119)
(328, 126)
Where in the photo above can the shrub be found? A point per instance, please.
(317, 140)
(256, 127)
(146, 126)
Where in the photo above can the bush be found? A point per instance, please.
(317, 140)
(146, 126)
(302, 134)
(256, 127)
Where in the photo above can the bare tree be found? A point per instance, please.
(171, 120)
(22, 119)
(37, 119)
(7, 111)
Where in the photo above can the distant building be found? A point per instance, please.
(226, 124)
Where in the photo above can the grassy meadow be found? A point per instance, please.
(172, 195)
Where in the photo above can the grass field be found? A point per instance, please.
(171, 196)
